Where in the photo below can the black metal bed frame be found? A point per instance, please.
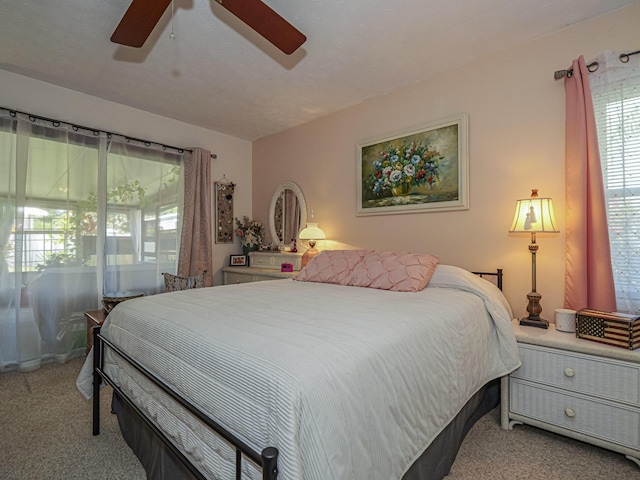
(498, 274)
(267, 459)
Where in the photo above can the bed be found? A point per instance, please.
(304, 380)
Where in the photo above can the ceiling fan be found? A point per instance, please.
(142, 15)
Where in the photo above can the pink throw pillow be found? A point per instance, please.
(400, 272)
(331, 266)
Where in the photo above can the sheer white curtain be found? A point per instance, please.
(82, 213)
(144, 188)
(47, 169)
(615, 88)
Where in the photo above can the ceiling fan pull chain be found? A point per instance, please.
(172, 35)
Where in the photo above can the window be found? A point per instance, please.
(60, 223)
(82, 213)
(47, 237)
(617, 108)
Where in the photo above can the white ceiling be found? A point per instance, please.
(219, 74)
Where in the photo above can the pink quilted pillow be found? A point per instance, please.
(400, 272)
(331, 266)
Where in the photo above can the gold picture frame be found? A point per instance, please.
(425, 169)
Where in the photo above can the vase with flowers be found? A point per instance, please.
(399, 168)
(251, 233)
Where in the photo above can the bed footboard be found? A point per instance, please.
(267, 459)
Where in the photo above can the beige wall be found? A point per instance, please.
(516, 142)
(47, 100)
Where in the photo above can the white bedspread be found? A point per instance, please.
(347, 382)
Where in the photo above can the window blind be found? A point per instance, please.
(617, 111)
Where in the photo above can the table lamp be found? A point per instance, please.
(311, 233)
(534, 215)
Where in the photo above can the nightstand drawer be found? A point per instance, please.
(605, 378)
(598, 419)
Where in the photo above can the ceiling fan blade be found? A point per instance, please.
(267, 23)
(139, 20)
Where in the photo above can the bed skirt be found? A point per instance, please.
(434, 464)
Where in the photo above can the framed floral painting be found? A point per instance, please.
(422, 170)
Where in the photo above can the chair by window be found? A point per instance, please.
(173, 283)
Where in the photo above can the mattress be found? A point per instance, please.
(346, 382)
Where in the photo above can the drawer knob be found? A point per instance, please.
(569, 412)
(569, 372)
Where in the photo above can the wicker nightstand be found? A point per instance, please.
(94, 318)
(577, 388)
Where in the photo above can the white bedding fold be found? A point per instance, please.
(347, 382)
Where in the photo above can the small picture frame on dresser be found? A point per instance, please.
(237, 260)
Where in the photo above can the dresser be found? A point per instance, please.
(575, 387)
(262, 266)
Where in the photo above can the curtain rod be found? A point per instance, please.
(592, 67)
(57, 123)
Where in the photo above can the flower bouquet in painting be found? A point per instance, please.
(251, 233)
(399, 168)
(422, 170)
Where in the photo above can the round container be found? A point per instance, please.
(110, 300)
(565, 320)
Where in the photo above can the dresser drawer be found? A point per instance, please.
(231, 278)
(605, 378)
(264, 261)
(595, 418)
(275, 260)
(261, 278)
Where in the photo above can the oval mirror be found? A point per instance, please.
(287, 213)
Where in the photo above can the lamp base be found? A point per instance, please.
(308, 255)
(532, 322)
(534, 309)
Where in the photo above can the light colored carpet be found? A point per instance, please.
(45, 433)
(46, 430)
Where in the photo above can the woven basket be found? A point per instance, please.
(110, 300)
